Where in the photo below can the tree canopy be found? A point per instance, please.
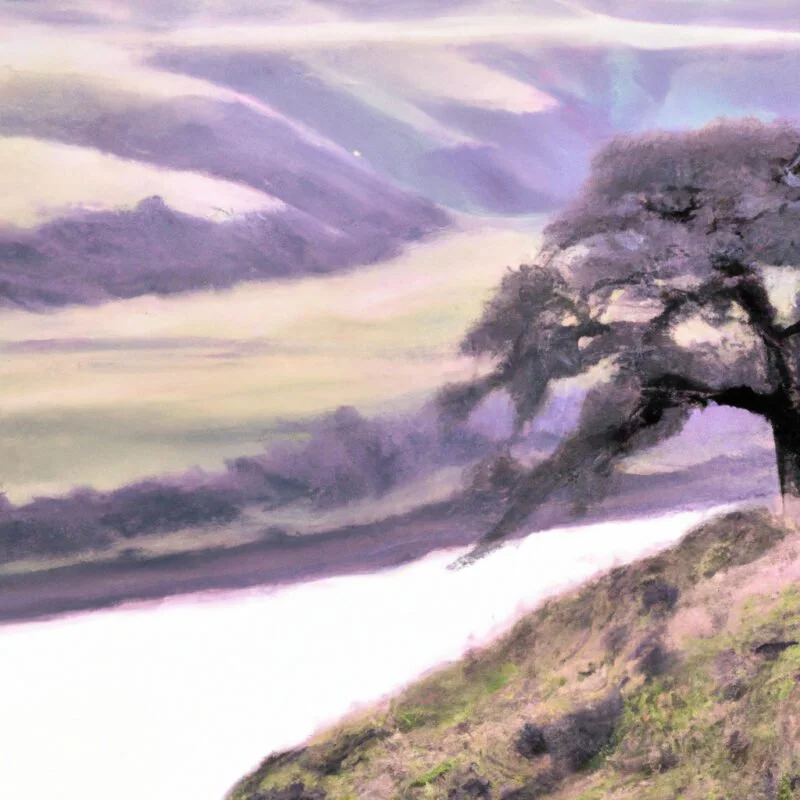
(671, 282)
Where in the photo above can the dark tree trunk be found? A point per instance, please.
(787, 451)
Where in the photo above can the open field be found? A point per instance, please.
(104, 395)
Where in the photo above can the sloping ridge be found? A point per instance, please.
(677, 676)
(337, 212)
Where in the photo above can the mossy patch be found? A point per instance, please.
(434, 774)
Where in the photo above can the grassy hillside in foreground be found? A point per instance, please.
(675, 677)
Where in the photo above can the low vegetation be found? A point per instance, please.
(344, 459)
(675, 677)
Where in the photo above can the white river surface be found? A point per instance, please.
(177, 700)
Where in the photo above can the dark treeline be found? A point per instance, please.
(93, 257)
(346, 457)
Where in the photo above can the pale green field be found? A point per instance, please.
(101, 396)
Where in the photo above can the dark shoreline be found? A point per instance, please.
(357, 548)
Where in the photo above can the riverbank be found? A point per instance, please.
(270, 562)
(351, 549)
(178, 699)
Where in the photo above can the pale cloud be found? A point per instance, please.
(698, 331)
(585, 29)
(343, 77)
(110, 60)
(438, 74)
(783, 286)
(418, 60)
(114, 63)
(44, 179)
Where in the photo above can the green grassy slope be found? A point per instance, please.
(675, 677)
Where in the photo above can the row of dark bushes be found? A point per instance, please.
(343, 457)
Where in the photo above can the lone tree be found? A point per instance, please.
(672, 283)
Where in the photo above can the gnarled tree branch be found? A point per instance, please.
(792, 330)
(600, 450)
(673, 390)
(597, 450)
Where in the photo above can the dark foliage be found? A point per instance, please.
(531, 741)
(737, 745)
(735, 690)
(580, 736)
(348, 457)
(573, 742)
(329, 760)
(773, 649)
(616, 638)
(153, 508)
(490, 483)
(673, 237)
(295, 791)
(474, 788)
(89, 520)
(659, 594)
(653, 658)
(23, 536)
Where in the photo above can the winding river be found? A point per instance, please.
(177, 700)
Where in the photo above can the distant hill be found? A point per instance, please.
(335, 212)
(152, 249)
(363, 142)
(483, 158)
